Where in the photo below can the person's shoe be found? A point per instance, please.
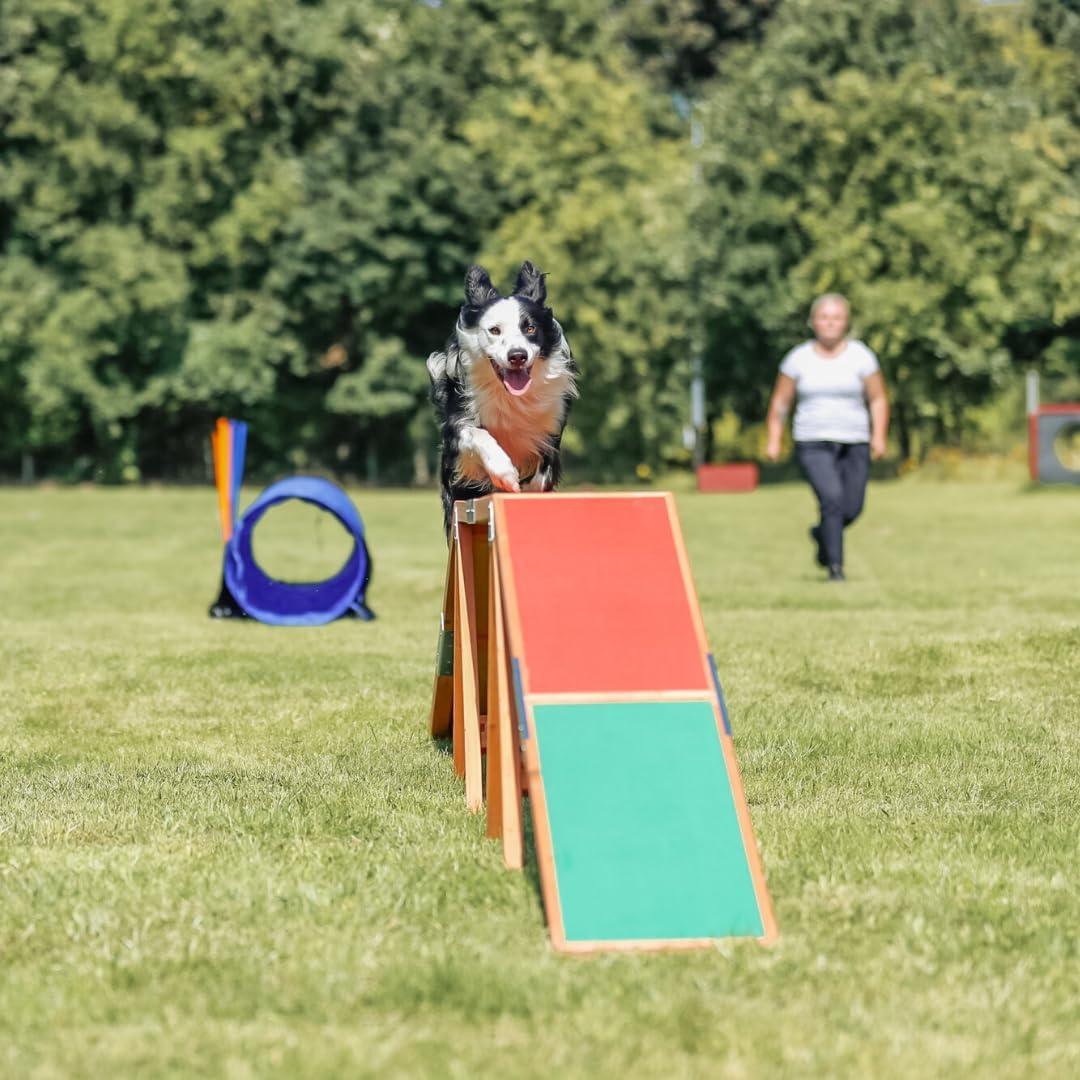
(815, 535)
(836, 573)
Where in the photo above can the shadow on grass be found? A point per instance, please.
(530, 864)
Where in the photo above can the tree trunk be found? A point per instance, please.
(903, 430)
(709, 442)
(421, 472)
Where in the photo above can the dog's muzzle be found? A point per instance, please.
(517, 378)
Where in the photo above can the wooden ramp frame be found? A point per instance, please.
(572, 656)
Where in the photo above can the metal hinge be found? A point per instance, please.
(444, 654)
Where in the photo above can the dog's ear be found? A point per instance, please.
(530, 283)
(478, 287)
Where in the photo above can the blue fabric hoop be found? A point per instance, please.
(283, 603)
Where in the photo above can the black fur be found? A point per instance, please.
(530, 285)
(448, 394)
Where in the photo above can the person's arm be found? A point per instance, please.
(779, 406)
(879, 413)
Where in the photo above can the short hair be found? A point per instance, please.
(829, 297)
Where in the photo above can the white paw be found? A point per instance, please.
(495, 459)
(505, 478)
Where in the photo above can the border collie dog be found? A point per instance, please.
(502, 390)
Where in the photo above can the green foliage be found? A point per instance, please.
(683, 42)
(211, 199)
(265, 208)
(904, 155)
(607, 215)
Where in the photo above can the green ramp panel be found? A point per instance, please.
(644, 833)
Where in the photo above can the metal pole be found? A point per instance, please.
(698, 418)
(1033, 424)
(697, 409)
(1032, 392)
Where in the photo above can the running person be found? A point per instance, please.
(841, 420)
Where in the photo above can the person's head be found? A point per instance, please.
(830, 316)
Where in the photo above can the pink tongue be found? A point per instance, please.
(517, 380)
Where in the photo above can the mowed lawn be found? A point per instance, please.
(232, 850)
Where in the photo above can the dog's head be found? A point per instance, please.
(516, 334)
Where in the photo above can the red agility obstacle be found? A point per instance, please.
(573, 652)
(1047, 424)
(734, 477)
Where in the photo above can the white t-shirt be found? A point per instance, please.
(830, 396)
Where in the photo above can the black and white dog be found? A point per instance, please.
(502, 390)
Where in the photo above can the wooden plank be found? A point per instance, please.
(481, 573)
(467, 756)
(629, 695)
(687, 587)
(753, 855)
(504, 549)
(494, 710)
(545, 850)
(637, 945)
(460, 630)
(504, 761)
(770, 928)
(442, 693)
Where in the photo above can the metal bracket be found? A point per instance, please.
(444, 654)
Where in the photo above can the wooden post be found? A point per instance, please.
(442, 693)
(467, 750)
(504, 749)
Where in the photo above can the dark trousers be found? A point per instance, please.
(838, 473)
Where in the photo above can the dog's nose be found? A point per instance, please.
(517, 357)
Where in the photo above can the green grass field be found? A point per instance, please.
(228, 849)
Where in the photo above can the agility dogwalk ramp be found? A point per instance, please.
(572, 654)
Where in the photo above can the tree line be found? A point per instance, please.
(264, 209)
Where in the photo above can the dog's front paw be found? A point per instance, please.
(505, 479)
(494, 459)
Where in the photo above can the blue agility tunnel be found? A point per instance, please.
(247, 590)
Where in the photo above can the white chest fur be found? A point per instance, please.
(522, 425)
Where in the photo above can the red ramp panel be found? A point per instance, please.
(601, 595)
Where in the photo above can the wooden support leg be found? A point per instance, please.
(467, 756)
(461, 631)
(442, 695)
(494, 711)
(504, 761)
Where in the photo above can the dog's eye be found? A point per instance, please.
(495, 331)
(530, 329)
